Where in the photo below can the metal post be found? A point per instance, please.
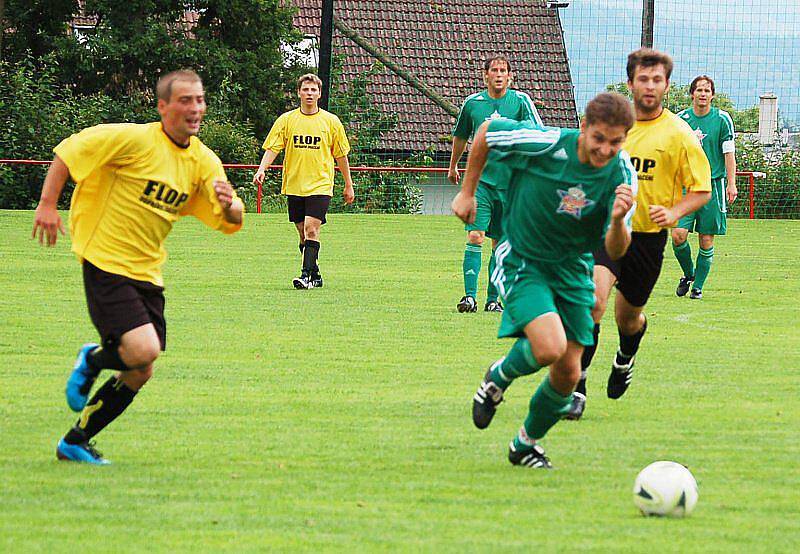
(752, 196)
(648, 17)
(325, 39)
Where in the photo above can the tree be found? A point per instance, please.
(678, 98)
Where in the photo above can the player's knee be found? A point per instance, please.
(548, 351)
(141, 354)
(475, 237)
(311, 232)
(678, 237)
(135, 379)
(706, 241)
(630, 325)
(599, 308)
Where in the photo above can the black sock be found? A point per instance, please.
(106, 358)
(106, 405)
(310, 254)
(629, 344)
(301, 246)
(586, 359)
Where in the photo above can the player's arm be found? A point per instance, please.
(464, 203)
(618, 235)
(694, 173)
(47, 220)
(730, 170)
(344, 167)
(266, 161)
(459, 145)
(232, 206)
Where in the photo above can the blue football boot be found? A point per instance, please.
(84, 452)
(81, 379)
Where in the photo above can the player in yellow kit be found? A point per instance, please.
(132, 183)
(668, 159)
(312, 138)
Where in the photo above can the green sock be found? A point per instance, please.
(684, 255)
(518, 362)
(472, 267)
(491, 290)
(704, 259)
(546, 408)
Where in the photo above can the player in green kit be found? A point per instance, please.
(714, 128)
(571, 190)
(496, 101)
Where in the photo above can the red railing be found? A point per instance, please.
(751, 176)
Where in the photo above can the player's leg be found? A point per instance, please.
(296, 206)
(495, 232)
(705, 257)
(640, 268)
(683, 252)
(711, 221)
(316, 210)
(473, 250)
(135, 314)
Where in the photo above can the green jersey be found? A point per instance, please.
(715, 131)
(558, 208)
(480, 107)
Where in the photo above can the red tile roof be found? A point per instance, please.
(444, 43)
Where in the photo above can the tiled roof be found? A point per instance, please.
(444, 43)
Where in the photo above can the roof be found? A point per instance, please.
(444, 43)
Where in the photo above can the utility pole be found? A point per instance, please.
(648, 16)
(325, 40)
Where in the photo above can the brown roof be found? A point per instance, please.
(444, 43)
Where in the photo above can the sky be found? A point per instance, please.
(749, 47)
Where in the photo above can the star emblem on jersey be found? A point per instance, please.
(700, 135)
(495, 115)
(573, 201)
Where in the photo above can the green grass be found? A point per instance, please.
(338, 419)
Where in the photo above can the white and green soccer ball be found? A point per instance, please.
(665, 489)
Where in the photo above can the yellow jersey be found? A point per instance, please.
(312, 142)
(132, 184)
(668, 158)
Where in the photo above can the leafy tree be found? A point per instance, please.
(678, 98)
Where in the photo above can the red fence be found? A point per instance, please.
(750, 175)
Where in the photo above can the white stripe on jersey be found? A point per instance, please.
(524, 136)
(628, 170)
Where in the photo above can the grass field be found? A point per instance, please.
(339, 418)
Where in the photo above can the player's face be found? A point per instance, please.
(182, 115)
(309, 94)
(649, 85)
(498, 77)
(702, 95)
(600, 142)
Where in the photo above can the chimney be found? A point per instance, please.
(768, 119)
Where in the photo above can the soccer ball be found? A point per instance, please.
(665, 489)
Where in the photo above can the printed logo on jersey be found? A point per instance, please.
(560, 154)
(643, 166)
(495, 115)
(310, 142)
(573, 201)
(700, 135)
(163, 197)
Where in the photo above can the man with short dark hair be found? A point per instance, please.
(668, 159)
(498, 100)
(313, 138)
(570, 191)
(133, 182)
(714, 128)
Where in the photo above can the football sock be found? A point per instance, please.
(684, 255)
(586, 359)
(629, 344)
(106, 358)
(704, 260)
(310, 253)
(472, 267)
(518, 362)
(301, 246)
(491, 290)
(106, 405)
(547, 406)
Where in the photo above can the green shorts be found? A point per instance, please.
(530, 288)
(489, 215)
(710, 219)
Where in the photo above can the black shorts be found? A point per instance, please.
(313, 206)
(638, 270)
(118, 304)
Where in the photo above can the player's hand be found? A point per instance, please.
(464, 207)
(349, 194)
(224, 192)
(452, 175)
(623, 202)
(258, 178)
(732, 193)
(663, 217)
(47, 222)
